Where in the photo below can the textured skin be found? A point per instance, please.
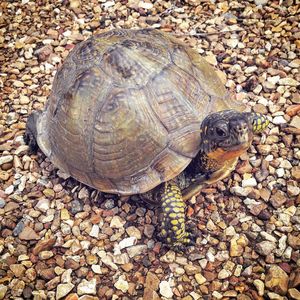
(173, 227)
(125, 110)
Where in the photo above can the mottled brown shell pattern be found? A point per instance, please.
(125, 110)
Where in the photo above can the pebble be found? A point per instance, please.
(200, 278)
(94, 231)
(5, 159)
(43, 205)
(11, 206)
(136, 250)
(260, 286)
(76, 207)
(295, 122)
(28, 234)
(293, 294)
(3, 290)
(134, 232)
(265, 247)
(117, 222)
(279, 120)
(277, 280)
(250, 182)
(127, 242)
(63, 289)
(122, 284)
(152, 281)
(241, 191)
(17, 269)
(288, 81)
(2, 203)
(86, 287)
(165, 289)
(223, 274)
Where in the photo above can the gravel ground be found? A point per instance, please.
(60, 239)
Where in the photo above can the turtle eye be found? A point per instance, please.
(221, 132)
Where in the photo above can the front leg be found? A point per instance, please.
(173, 227)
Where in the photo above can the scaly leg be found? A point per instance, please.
(173, 226)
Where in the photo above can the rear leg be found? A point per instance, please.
(31, 132)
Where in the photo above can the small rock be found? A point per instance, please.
(241, 191)
(217, 295)
(64, 214)
(49, 193)
(87, 287)
(134, 232)
(200, 278)
(17, 269)
(6, 159)
(259, 286)
(152, 281)
(127, 242)
(295, 122)
(76, 207)
(293, 293)
(2, 203)
(28, 234)
(145, 5)
(150, 294)
(96, 269)
(165, 289)
(63, 289)
(43, 205)
(42, 245)
(223, 274)
(117, 222)
(149, 230)
(277, 280)
(232, 43)
(136, 250)
(122, 284)
(265, 247)
(294, 241)
(288, 81)
(94, 231)
(250, 182)
(293, 190)
(45, 255)
(3, 290)
(236, 250)
(279, 120)
(278, 199)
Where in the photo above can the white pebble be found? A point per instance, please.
(280, 172)
(279, 120)
(249, 182)
(165, 289)
(122, 284)
(95, 231)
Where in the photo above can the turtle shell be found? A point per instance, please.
(125, 110)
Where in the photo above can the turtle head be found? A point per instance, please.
(226, 131)
(225, 135)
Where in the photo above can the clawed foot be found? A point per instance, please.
(183, 242)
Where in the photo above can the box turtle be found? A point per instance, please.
(133, 111)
